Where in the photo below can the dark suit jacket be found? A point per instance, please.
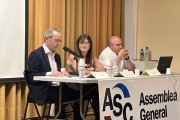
(38, 65)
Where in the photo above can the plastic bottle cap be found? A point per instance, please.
(108, 62)
(81, 62)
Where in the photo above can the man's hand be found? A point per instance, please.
(121, 52)
(65, 73)
(60, 74)
(126, 53)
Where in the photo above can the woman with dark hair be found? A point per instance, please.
(84, 50)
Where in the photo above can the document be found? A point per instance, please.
(151, 72)
(97, 75)
(126, 74)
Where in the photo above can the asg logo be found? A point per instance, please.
(122, 108)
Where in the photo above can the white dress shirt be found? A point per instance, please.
(107, 53)
(52, 62)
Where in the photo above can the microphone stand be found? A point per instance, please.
(75, 73)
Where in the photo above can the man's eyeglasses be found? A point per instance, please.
(58, 41)
(85, 43)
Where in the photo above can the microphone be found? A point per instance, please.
(70, 51)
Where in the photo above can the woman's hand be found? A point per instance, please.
(90, 69)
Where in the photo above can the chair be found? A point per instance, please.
(87, 108)
(89, 102)
(31, 100)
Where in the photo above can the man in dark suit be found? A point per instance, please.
(44, 61)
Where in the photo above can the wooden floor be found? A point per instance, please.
(70, 117)
(92, 117)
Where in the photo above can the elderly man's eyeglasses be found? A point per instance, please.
(85, 43)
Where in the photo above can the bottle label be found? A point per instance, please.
(108, 68)
(81, 68)
(81, 72)
(114, 67)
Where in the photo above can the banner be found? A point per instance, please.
(143, 98)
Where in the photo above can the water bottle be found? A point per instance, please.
(114, 68)
(142, 55)
(108, 67)
(147, 54)
(81, 68)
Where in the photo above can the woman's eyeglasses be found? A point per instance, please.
(85, 43)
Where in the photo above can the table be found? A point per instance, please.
(137, 87)
(67, 80)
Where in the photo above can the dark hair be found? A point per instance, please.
(78, 51)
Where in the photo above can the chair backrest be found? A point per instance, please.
(27, 78)
(28, 84)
